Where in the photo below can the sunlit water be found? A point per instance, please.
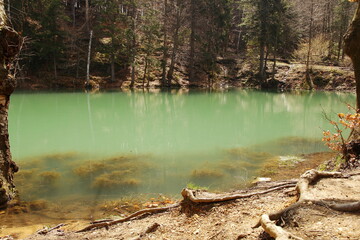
(116, 143)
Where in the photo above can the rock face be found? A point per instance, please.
(10, 44)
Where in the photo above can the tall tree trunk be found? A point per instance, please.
(307, 74)
(55, 68)
(262, 40)
(10, 43)
(275, 51)
(145, 70)
(112, 67)
(133, 49)
(88, 60)
(73, 2)
(175, 47)
(352, 49)
(87, 14)
(340, 43)
(192, 42)
(165, 46)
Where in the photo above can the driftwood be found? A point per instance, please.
(107, 224)
(302, 188)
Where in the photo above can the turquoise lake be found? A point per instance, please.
(117, 143)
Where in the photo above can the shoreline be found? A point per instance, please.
(288, 77)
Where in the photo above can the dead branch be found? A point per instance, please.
(47, 230)
(191, 194)
(136, 214)
(275, 231)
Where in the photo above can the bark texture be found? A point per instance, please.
(10, 44)
(352, 49)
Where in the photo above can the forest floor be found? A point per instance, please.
(233, 219)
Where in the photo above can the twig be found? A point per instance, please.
(47, 230)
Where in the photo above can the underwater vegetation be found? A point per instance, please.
(248, 155)
(115, 179)
(239, 165)
(72, 173)
(291, 146)
(207, 173)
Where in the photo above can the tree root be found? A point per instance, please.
(311, 176)
(346, 207)
(305, 198)
(136, 214)
(189, 194)
(275, 231)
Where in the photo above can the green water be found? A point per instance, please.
(170, 138)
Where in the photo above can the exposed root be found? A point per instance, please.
(310, 177)
(136, 214)
(346, 207)
(192, 194)
(275, 231)
(305, 197)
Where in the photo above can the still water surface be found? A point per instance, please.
(117, 143)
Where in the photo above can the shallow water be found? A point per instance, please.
(113, 144)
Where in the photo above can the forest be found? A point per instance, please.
(169, 43)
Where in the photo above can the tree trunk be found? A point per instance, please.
(340, 45)
(175, 47)
(112, 67)
(165, 46)
(262, 40)
(145, 71)
(87, 14)
(352, 49)
(307, 74)
(88, 60)
(10, 43)
(192, 42)
(55, 68)
(73, 10)
(133, 64)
